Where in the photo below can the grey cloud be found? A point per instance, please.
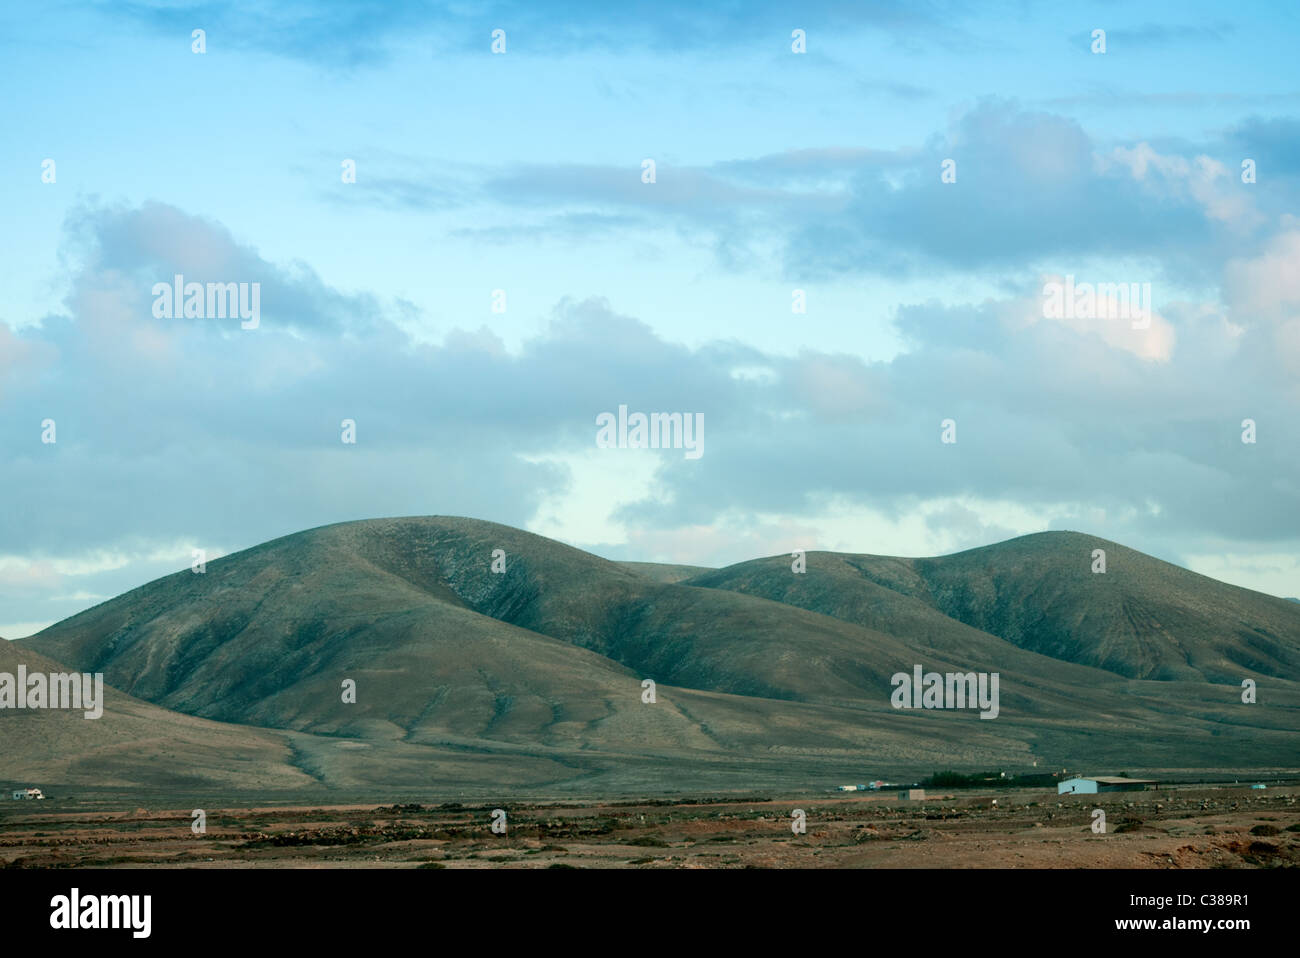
(1032, 189)
(132, 248)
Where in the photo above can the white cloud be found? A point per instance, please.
(1276, 573)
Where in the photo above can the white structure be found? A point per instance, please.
(24, 793)
(1102, 783)
(912, 795)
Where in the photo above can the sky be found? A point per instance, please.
(839, 250)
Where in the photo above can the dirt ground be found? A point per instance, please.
(1186, 827)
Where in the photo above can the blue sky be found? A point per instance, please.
(521, 171)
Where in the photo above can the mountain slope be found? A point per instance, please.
(415, 599)
(134, 743)
(1141, 618)
(540, 666)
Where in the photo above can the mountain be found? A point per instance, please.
(1141, 618)
(531, 677)
(411, 606)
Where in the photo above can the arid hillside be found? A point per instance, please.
(474, 646)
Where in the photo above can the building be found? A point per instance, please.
(24, 793)
(1103, 783)
(912, 795)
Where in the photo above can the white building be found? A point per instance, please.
(24, 793)
(1102, 783)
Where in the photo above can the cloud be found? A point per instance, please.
(347, 34)
(1263, 293)
(1033, 191)
(125, 250)
(19, 358)
(1273, 142)
(351, 34)
(1155, 34)
(1122, 315)
(194, 431)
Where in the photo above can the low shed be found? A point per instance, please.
(1103, 783)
